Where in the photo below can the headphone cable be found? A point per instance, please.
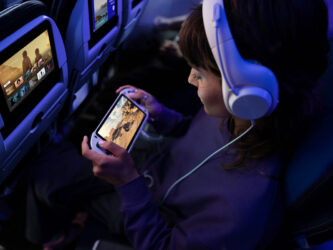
(204, 161)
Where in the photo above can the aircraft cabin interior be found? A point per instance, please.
(134, 124)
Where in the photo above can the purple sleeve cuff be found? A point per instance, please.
(134, 192)
(171, 123)
(167, 120)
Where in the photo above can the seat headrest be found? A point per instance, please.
(60, 12)
(16, 16)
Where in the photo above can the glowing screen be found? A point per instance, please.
(122, 123)
(104, 10)
(26, 69)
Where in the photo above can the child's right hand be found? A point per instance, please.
(153, 107)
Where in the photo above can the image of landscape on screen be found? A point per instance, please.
(122, 123)
(26, 69)
(104, 10)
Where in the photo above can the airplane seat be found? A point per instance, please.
(308, 180)
(132, 11)
(34, 9)
(89, 41)
(33, 79)
(60, 11)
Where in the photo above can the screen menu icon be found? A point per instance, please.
(41, 74)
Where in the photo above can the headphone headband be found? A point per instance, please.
(250, 90)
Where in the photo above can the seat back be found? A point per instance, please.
(33, 78)
(309, 177)
(90, 36)
(132, 11)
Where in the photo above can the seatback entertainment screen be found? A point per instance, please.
(26, 69)
(103, 11)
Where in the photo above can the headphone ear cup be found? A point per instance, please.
(251, 103)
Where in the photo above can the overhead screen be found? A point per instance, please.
(28, 70)
(103, 17)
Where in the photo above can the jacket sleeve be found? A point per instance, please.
(229, 226)
(171, 123)
(144, 225)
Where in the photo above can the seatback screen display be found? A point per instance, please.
(26, 69)
(104, 10)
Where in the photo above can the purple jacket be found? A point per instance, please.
(214, 208)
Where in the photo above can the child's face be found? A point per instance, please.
(209, 91)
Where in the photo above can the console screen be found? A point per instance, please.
(103, 11)
(122, 123)
(26, 69)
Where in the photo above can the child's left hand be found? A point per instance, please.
(116, 169)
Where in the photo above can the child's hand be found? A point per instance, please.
(116, 169)
(153, 107)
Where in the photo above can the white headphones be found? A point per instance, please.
(250, 90)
